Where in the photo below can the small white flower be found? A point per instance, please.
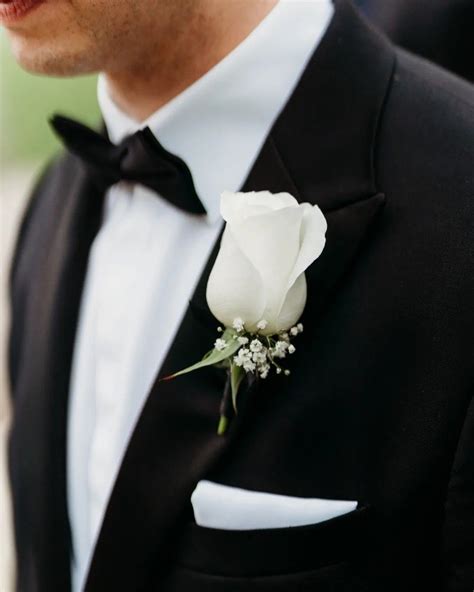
(220, 344)
(291, 349)
(261, 325)
(243, 356)
(238, 324)
(279, 351)
(256, 345)
(299, 326)
(243, 340)
(259, 357)
(249, 366)
(278, 370)
(287, 372)
(220, 329)
(285, 336)
(294, 331)
(238, 360)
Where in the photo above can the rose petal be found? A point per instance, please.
(240, 206)
(292, 307)
(234, 288)
(271, 242)
(313, 240)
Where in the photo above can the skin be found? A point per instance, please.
(149, 50)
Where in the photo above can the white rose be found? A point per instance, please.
(268, 243)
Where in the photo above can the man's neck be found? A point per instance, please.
(195, 46)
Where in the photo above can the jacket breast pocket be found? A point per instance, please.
(326, 557)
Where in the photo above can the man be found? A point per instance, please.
(302, 97)
(438, 30)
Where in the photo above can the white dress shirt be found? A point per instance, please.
(148, 255)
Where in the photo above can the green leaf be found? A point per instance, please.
(213, 356)
(237, 374)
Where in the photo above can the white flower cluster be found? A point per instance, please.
(258, 353)
(253, 358)
(220, 344)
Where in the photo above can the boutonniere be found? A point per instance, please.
(257, 287)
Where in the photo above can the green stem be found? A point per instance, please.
(222, 427)
(226, 407)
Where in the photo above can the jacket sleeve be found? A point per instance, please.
(13, 290)
(459, 513)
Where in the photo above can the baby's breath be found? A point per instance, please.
(220, 344)
(238, 324)
(257, 353)
(256, 345)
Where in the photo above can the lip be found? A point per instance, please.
(12, 11)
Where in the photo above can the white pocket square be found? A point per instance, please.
(232, 508)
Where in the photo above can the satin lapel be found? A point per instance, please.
(42, 388)
(175, 443)
(348, 228)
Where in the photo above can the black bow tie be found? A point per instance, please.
(139, 158)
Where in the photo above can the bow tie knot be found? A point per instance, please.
(139, 158)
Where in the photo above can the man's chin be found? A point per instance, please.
(47, 59)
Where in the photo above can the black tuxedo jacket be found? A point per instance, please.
(378, 407)
(440, 30)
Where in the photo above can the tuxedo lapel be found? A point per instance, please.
(320, 149)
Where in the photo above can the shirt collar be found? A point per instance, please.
(219, 123)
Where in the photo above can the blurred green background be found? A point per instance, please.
(26, 103)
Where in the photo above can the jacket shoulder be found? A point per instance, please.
(424, 164)
(53, 177)
(426, 132)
